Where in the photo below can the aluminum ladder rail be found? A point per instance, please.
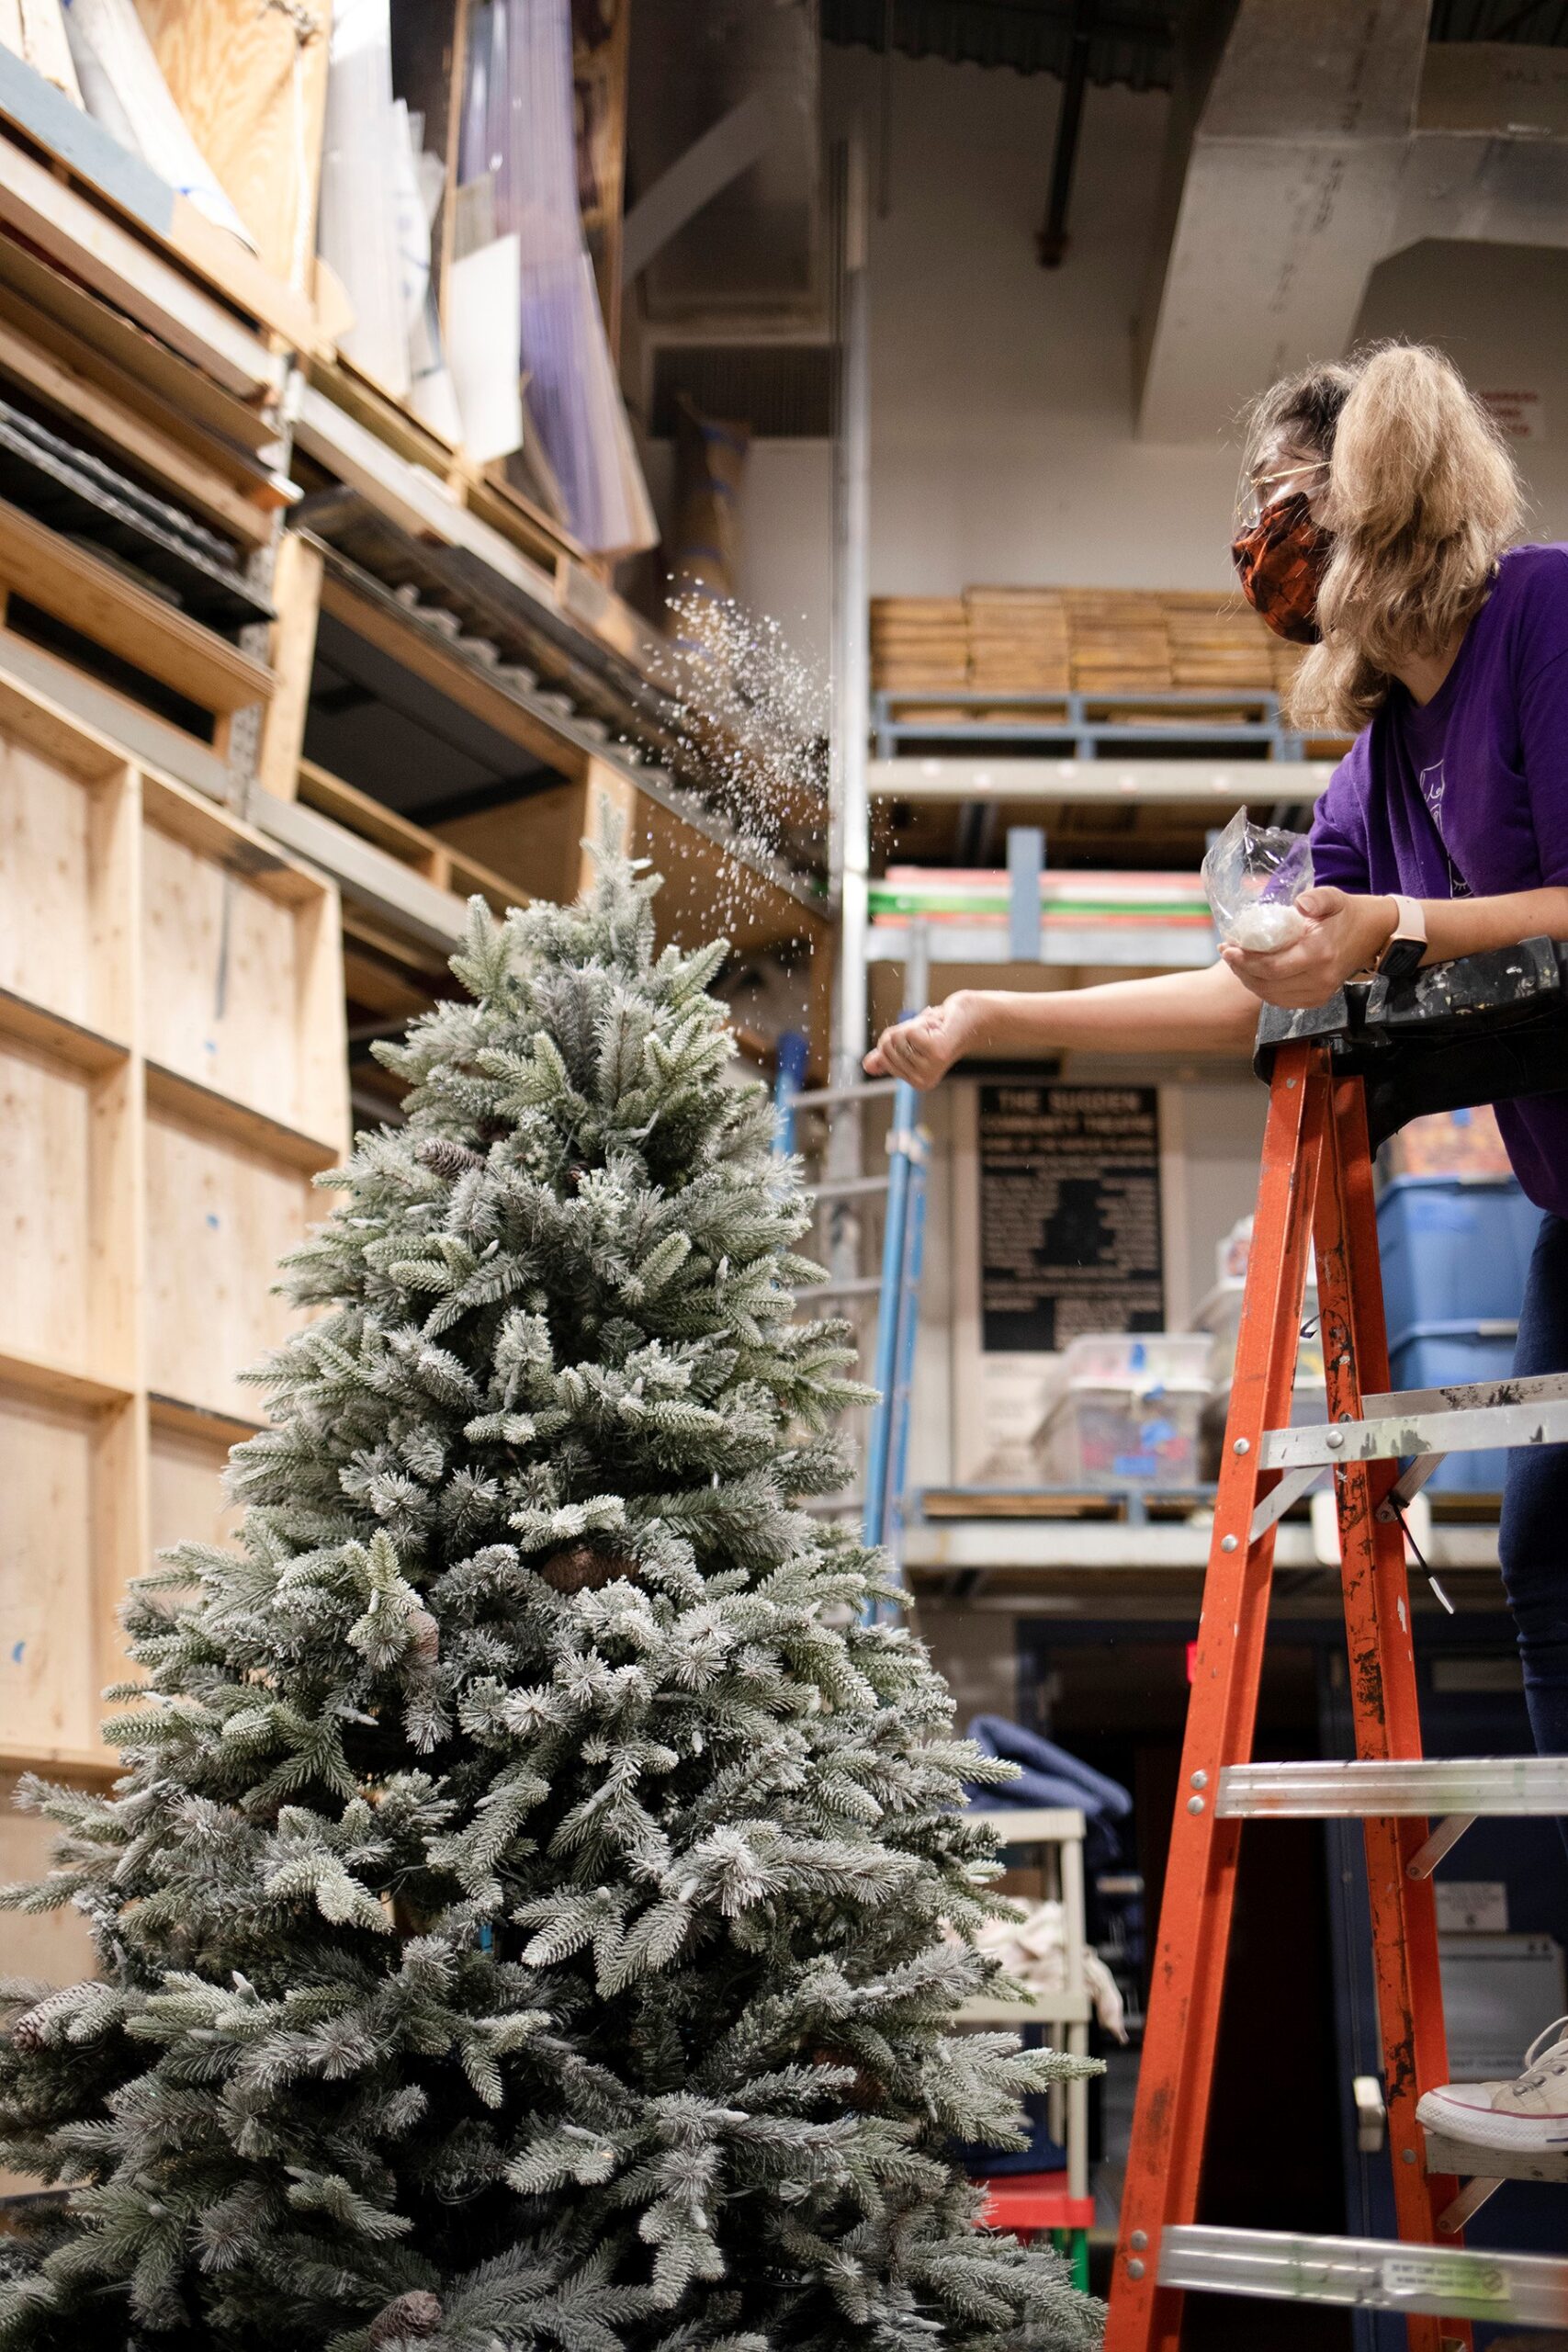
(895, 1287)
(1316, 1182)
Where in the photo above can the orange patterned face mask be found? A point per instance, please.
(1281, 561)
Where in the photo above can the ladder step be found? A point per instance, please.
(1366, 2274)
(1418, 1786)
(819, 1098)
(851, 1286)
(1493, 1413)
(1462, 2160)
(1470, 1395)
(846, 1188)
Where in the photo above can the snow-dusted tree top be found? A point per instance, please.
(522, 1919)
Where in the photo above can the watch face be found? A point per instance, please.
(1402, 959)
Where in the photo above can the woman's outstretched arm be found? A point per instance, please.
(1207, 1011)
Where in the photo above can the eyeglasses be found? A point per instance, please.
(1284, 481)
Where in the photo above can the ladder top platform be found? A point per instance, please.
(1486, 1028)
(1463, 2160)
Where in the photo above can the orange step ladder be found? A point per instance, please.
(1406, 1049)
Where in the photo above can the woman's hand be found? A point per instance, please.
(924, 1048)
(1344, 935)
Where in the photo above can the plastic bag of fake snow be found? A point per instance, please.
(1253, 876)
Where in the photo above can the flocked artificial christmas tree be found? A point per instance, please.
(522, 1922)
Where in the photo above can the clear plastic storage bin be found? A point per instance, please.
(1449, 1355)
(1126, 1410)
(1454, 1249)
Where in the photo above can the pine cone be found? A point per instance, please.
(444, 1156)
(426, 1636)
(864, 2091)
(583, 1568)
(418, 2313)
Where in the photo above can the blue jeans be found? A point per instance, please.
(1533, 1537)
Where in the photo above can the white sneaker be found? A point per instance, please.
(1529, 2115)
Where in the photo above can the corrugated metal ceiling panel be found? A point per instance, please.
(1542, 25)
(1131, 41)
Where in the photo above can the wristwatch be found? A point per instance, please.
(1406, 949)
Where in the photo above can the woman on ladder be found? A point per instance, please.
(1378, 505)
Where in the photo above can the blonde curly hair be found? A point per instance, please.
(1422, 497)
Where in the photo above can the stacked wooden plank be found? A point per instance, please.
(1284, 660)
(1018, 639)
(1120, 641)
(919, 642)
(1216, 643)
(1041, 642)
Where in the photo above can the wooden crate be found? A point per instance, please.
(172, 1072)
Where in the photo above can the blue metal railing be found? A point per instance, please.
(1085, 734)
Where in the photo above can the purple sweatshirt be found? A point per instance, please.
(1467, 796)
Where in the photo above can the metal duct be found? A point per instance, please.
(1288, 198)
(1309, 145)
(1490, 155)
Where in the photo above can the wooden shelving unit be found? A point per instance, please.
(196, 487)
(172, 1073)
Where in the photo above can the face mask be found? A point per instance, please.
(1282, 560)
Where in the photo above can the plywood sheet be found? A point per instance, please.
(46, 1195)
(48, 1677)
(231, 66)
(219, 1216)
(220, 976)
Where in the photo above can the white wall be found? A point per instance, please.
(785, 565)
(1002, 446)
(1501, 313)
(1002, 443)
(1002, 392)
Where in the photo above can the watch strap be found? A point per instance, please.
(1404, 954)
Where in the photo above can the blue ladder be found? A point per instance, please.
(896, 1288)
